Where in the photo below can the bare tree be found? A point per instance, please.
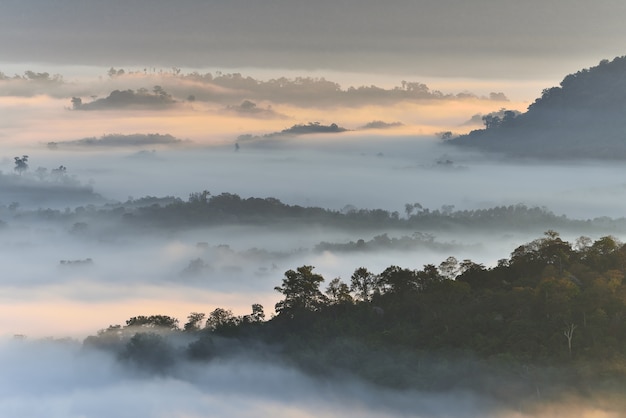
(569, 333)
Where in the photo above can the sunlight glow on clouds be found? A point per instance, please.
(74, 70)
(78, 309)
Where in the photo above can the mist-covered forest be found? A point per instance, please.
(543, 323)
(293, 242)
(580, 118)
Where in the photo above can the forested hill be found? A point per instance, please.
(582, 118)
(548, 321)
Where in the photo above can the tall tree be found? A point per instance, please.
(363, 283)
(301, 290)
(193, 321)
(338, 292)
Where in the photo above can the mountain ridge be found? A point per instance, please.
(583, 117)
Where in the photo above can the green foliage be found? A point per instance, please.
(194, 321)
(364, 284)
(301, 290)
(153, 321)
(221, 320)
(338, 292)
(149, 350)
(549, 304)
(202, 349)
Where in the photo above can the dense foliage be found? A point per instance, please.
(204, 209)
(553, 314)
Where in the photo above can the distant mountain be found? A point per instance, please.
(582, 118)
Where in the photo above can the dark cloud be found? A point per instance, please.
(434, 37)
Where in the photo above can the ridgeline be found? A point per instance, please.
(582, 118)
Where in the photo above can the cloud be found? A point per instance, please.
(263, 107)
(434, 37)
(138, 271)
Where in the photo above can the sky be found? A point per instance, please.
(530, 41)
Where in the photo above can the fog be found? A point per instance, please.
(72, 263)
(355, 168)
(61, 379)
(516, 40)
(241, 264)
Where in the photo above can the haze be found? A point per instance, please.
(204, 91)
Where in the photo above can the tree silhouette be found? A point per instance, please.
(301, 290)
(21, 164)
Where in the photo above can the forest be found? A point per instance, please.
(580, 118)
(202, 209)
(546, 321)
(345, 255)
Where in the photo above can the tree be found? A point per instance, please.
(449, 268)
(158, 90)
(398, 280)
(77, 102)
(257, 315)
(363, 283)
(301, 291)
(410, 207)
(427, 277)
(491, 121)
(220, 318)
(473, 274)
(149, 350)
(153, 321)
(201, 349)
(338, 292)
(446, 135)
(569, 333)
(21, 164)
(509, 116)
(59, 174)
(199, 197)
(193, 321)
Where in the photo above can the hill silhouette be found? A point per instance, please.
(582, 118)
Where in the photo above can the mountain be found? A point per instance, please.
(582, 118)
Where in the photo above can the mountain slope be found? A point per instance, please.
(582, 118)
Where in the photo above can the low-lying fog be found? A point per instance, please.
(178, 272)
(59, 379)
(71, 279)
(354, 168)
